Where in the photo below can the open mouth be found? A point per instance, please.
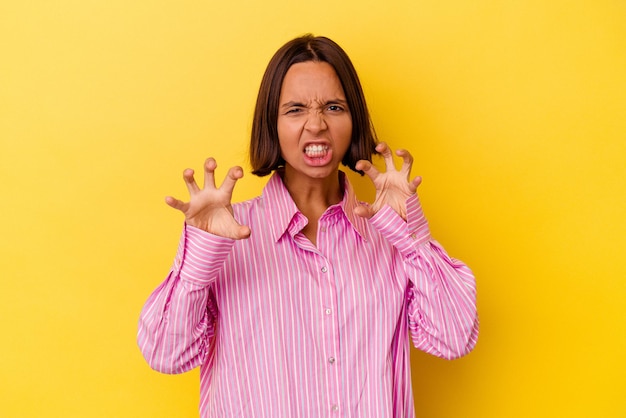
(316, 151)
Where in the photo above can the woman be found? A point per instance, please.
(301, 302)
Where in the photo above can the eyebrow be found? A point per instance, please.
(328, 102)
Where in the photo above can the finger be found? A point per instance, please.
(414, 184)
(234, 174)
(176, 204)
(385, 151)
(363, 210)
(209, 172)
(368, 168)
(243, 232)
(407, 161)
(190, 182)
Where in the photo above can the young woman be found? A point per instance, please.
(302, 302)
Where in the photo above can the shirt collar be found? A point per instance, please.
(283, 212)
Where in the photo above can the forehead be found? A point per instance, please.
(311, 79)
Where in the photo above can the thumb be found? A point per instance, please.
(243, 232)
(364, 210)
(176, 204)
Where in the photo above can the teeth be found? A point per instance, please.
(315, 150)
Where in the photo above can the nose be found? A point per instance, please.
(315, 121)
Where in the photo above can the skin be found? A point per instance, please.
(312, 110)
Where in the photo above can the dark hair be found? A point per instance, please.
(264, 148)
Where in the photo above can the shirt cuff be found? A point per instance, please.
(201, 255)
(407, 235)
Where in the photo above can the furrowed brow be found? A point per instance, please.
(337, 101)
(292, 104)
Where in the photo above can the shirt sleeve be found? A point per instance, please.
(441, 296)
(178, 320)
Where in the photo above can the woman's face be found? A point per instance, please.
(314, 122)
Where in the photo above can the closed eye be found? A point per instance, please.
(292, 108)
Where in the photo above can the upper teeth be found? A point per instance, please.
(315, 148)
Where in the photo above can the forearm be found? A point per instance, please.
(177, 322)
(174, 328)
(441, 299)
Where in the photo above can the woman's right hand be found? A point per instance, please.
(209, 208)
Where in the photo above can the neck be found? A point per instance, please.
(311, 195)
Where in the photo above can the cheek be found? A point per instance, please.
(349, 132)
(287, 137)
(289, 129)
(345, 132)
(285, 130)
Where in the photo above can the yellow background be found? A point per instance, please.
(515, 112)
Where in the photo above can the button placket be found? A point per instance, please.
(330, 333)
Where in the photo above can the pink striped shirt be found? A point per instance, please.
(282, 328)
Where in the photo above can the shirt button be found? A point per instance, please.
(328, 311)
(331, 360)
(335, 408)
(324, 269)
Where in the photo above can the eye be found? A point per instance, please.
(335, 108)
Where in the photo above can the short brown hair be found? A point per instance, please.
(264, 148)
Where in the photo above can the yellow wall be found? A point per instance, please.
(515, 112)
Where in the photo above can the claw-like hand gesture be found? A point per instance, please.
(209, 208)
(393, 187)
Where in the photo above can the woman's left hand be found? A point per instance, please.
(393, 187)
